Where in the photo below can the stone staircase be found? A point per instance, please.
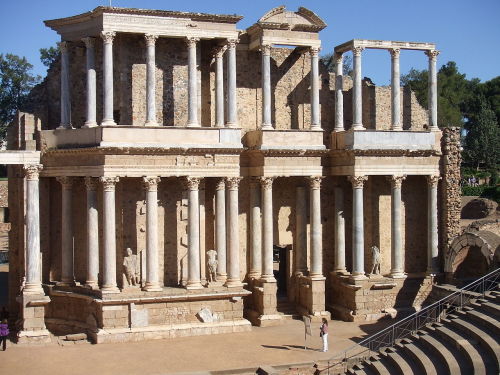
(465, 342)
(287, 309)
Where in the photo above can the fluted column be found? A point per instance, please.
(358, 235)
(151, 80)
(255, 230)
(339, 266)
(109, 235)
(315, 227)
(220, 229)
(315, 121)
(432, 89)
(91, 120)
(193, 185)
(233, 245)
(232, 114)
(192, 83)
(67, 274)
(152, 280)
(92, 233)
(267, 229)
(357, 97)
(65, 89)
(219, 86)
(339, 96)
(266, 87)
(397, 260)
(107, 37)
(33, 283)
(432, 225)
(395, 90)
(301, 231)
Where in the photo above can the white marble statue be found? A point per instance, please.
(130, 268)
(375, 261)
(212, 265)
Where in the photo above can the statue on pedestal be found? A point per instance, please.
(212, 265)
(130, 268)
(375, 261)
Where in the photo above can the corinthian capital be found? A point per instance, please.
(65, 181)
(151, 183)
(63, 46)
(91, 183)
(192, 183)
(150, 39)
(394, 52)
(265, 49)
(89, 42)
(315, 182)
(357, 181)
(314, 51)
(32, 171)
(432, 54)
(221, 184)
(432, 181)
(108, 36)
(356, 51)
(396, 181)
(109, 183)
(232, 183)
(266, 182)
(219, 51)
(191, 42)
(231, 43)
(338, 58)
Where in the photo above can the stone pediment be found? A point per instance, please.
(301, 20)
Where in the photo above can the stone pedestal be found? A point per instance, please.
(316, 299)
(264, 313)
(32, 318)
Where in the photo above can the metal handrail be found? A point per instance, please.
(414, 322)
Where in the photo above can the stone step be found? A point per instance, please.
(473, 362)
(378, 367)
(491, 309)
(399, 363)
(491, 349)
(440, 352)
(490, 324)
(420, 358)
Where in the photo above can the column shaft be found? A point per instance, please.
(107, 37)
(65, 89)
(397, 264)
(151, 80)
(152, 280)
(233, 277)
(267, 229)
(339, 232)
(67, 274)
(358, 240)
(109, 234)
(339, 96)
(301, 228)
(432, 234)
(315, 227)
(219, 86)
(91, 120)
(232, 114)
(220, 229)
(315, 121)
(395, 90)
(92, 233)
(266, 87)
(193, 281)
(33, 283)
(432, 89)
(192, 84)
(357, 97)
(255, 230)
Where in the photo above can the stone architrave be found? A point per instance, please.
(107, 38)
(358, 240)
(92, 233)
(233, 244)
(357, 97)
(67, 274)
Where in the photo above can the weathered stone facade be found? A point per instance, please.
(248, 154)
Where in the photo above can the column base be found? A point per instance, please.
(358, 127)
(336, 130)
(222, 277)
(397, 128)
(109, 289)
(151, 123)
(66, 283)
(316, 277)
(65, 126)
(316, 127)
(150, 287)
(266, 127)
(192, 285)
(193, 125)
(108, 122)
(397, 275)
(33, 288)
(267, 279)
(90, 124)
(235, 283)
(254, 275)
(357, 277)
(92, 285)
(434, 129)
(340, 271)
(231, 125)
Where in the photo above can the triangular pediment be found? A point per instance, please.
(302, 19)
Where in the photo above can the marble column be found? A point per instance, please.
(232, 111)
(432, 225)
(219, 86)
(339, 96)
(91, 120)
(152, 266)
(67, 274)
(397, 256)
(65, 89)
(357, 96)
(255, 230)
(432, 89)
(33, 284)
(107, 37)
(233, 245)
(109, 235)
(301, 231)
(316, 247)
(358, 240)
(395, 90)
(266, 87)
(194, 281)
(92, 233)
(315, 86)
(220, 229)
(267, 229)
(151, 80)
(339, 266)
(192, 83)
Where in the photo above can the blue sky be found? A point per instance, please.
(465, 31)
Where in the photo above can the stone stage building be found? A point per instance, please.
(160, 136)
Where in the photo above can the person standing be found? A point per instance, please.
(4, 332)
(323, 332)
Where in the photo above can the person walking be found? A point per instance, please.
(323, 332)
(4, 332)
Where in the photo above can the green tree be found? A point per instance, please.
(49, 55)
(16, 81)
(329, 63)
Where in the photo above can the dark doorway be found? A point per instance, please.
(471, 264)
(280, 269)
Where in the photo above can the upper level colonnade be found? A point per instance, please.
(106, 22)
(394, 48)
